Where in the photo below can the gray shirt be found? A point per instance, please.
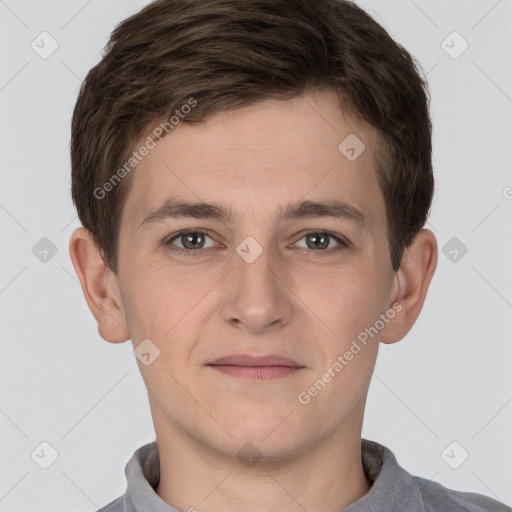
(393, 489)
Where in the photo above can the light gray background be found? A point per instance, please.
(449, 380)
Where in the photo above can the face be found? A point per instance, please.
(301, 286)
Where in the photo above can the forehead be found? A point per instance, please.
(260, 158)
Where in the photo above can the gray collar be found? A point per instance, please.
(393, 488)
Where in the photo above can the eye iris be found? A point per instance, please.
(321, 241)
(190, 239)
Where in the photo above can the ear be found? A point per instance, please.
(410, 286)
(99, 285)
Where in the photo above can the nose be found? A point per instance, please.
(258, 292)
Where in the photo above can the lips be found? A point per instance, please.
(256, 368)
(247, 360)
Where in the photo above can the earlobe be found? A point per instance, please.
(411, 284)
(99, 286)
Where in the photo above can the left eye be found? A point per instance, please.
(320, 240)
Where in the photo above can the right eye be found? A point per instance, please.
(191, 242)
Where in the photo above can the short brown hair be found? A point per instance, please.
(231, 53)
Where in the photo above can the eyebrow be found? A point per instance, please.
(175, 208)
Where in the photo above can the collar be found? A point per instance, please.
(393, 488)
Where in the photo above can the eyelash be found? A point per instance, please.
(343, 244)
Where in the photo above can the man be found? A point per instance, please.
(253, 179)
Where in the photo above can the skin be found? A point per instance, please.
(294, 300)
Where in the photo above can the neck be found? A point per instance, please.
(323, 477)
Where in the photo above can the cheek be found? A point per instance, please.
(346, 300)
(157, 301)
(349, 305)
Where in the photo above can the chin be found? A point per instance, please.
(266, 434)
